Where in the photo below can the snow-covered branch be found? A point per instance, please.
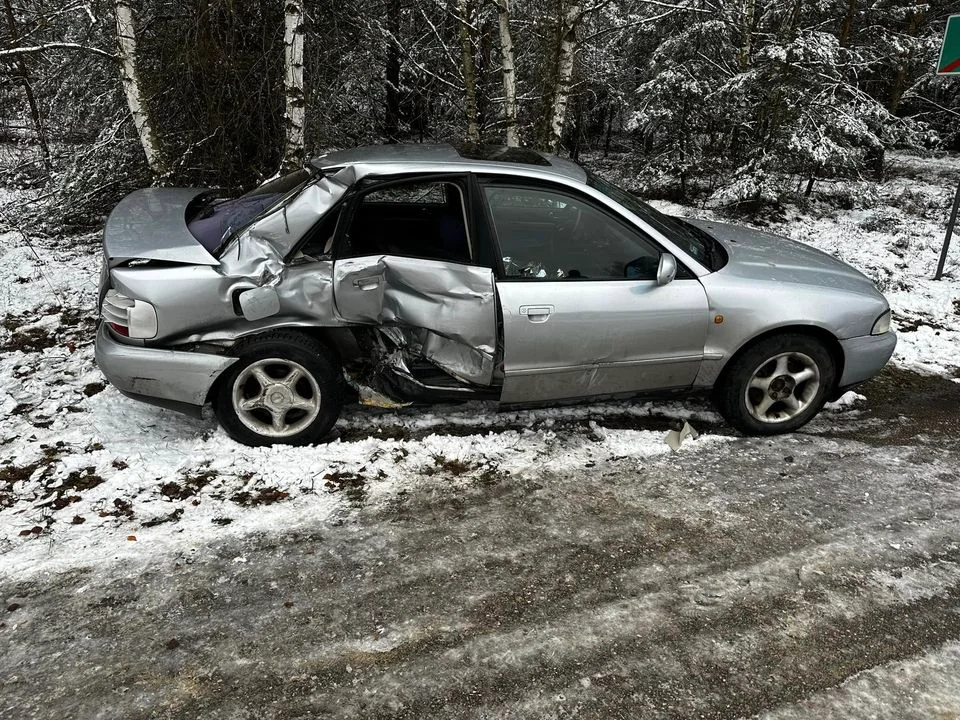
(46, 47)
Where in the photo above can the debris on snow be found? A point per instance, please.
(676, 437)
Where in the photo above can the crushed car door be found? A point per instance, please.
(405, 261)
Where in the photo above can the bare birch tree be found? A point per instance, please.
(509, 73)
(469, 69)
(746, 33)
(127, 41)
(560, 75)
(294, 116)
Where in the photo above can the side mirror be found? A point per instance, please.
(666, 269)
(259, 303)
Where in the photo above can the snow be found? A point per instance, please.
(921, 687)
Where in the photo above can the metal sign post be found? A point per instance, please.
(946, 238)
(949, 64)
(950, 50)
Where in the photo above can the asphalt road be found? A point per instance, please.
(756, 575)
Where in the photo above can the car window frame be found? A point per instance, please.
(521, 182)
(353, 199)
(285, 199)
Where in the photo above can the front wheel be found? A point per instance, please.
(776, 386)
(286, 388)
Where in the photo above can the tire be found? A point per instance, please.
(777, 385)
(286, 388)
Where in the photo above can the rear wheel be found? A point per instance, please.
(286, 388)
(776, 386)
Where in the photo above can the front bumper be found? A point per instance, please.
(170, 378)
(865, 356)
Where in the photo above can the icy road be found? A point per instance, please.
(459, 563)
(809, 576)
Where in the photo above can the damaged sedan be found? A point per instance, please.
(424, 274)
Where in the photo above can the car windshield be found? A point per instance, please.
(691, 239)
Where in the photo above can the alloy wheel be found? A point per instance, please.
(275, 397)
(782, 387)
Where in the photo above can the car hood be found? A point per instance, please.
(765, 256)
(151, 224)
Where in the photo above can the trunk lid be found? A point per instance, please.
(151, 224)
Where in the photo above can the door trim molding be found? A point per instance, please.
(619, 363)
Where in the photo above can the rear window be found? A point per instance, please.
(281, 185)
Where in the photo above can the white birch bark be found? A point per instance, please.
(749, 8)
(565, 57)
(127, 41)
(294, 116)
(509, 74)
(469, 72)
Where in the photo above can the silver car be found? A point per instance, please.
(421, 274)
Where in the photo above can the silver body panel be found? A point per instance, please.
(453, 302)
(527, 342)
(179, 377)
(865, 356)
(565, 340)
(149, 224)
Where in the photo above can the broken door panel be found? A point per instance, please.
(454, 302)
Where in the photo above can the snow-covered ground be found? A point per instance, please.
(99, 487)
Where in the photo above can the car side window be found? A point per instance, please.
(552, 235)
(425, 219)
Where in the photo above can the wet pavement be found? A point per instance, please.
(743, 577)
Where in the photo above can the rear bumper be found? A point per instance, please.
(170, 378)
(864, 357)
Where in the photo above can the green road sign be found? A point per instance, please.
(950, 53)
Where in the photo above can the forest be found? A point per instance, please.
(737, 103)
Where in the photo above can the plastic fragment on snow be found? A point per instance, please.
(675, 437)
(372, 398)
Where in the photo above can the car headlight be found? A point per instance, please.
(882, 325)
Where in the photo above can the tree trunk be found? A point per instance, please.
(469, 71)
(847, 26)
(127, 41)
(391, 117)
(899, 84)
(24, 77)
(746, 32)
(606, 141)
(294, 115)
(560, 93)
(796, 13)
(509, 74)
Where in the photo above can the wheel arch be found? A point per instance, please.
(339, 340)
(821, 334)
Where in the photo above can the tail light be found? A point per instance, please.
(129, 317)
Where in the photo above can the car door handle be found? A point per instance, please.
(367, 283)
(536, 313)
